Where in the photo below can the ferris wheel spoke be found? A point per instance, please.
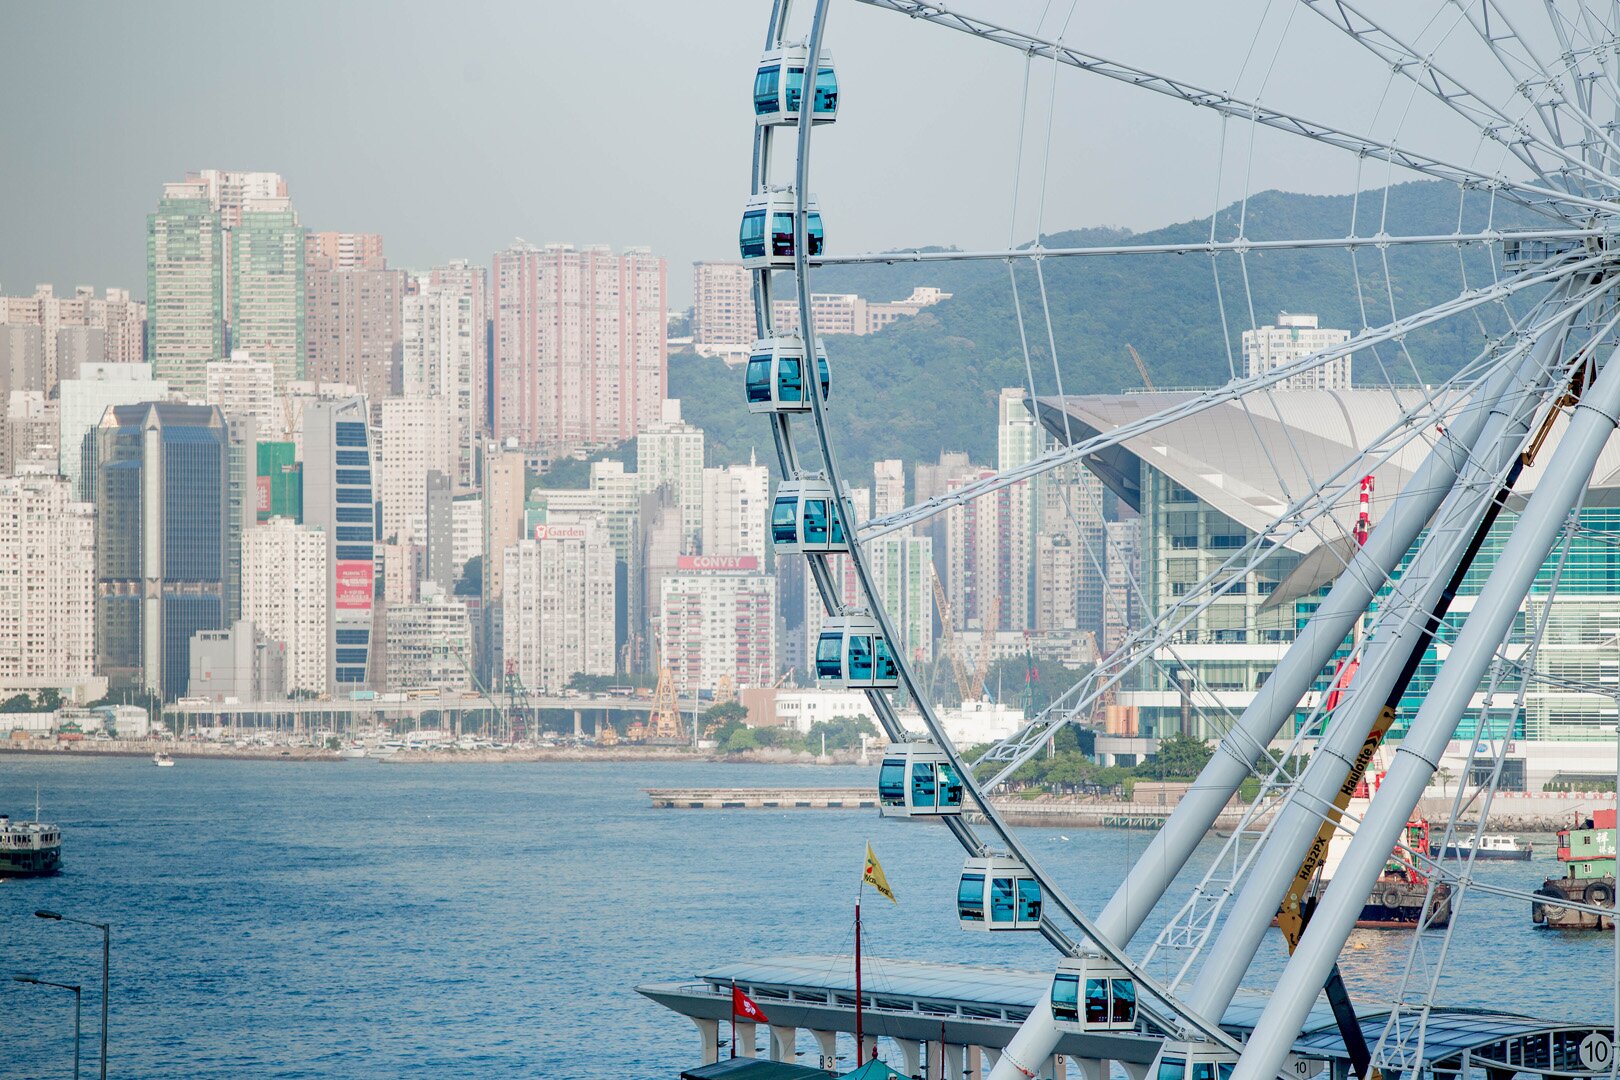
(1428, 75)
(1487, 238)
(1232, 391)
(1535, 78)
(1535, 197)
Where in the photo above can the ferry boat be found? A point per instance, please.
(1587, 852)
(162, 760)
(29, 848)
(1491, 846)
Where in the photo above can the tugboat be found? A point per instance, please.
(29, 848)
(1587, 852)
(1396, 899)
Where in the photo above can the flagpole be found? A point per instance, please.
(860, 1045)
(733, 1017)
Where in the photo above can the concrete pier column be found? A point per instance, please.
(992, 1055)
(975, 1068)
(910, 1056)
(579, 723)
(747, 1039)
(709, 1032)
(1093, 1068)
(1136, 1070)
(783, 1042)
(826, 1049)
(954, 1061)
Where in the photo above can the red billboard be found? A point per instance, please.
(717, 562)
(353, 585)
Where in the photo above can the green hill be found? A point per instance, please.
(930, 383)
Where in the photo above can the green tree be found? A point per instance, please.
(1180, 757)
(471, 581)
(739, 740)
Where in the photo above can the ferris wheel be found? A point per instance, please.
(1516, 112)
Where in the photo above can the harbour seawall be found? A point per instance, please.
(1510, 812)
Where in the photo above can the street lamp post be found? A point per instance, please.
(106, 955)
(78, 999)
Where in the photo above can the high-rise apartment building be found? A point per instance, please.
(32, 433)
(352, 326)
(267, 286)
(47, 589)
(847, 313)
(344, 250)
(1294, 337)
(339, 500)
(185, 287)
(580, 350)
(1123, 568)
(505, 491)
(429, 643)
(443, 355)
(559, 603)
(888, 487)
(902, 574)
(162, 532)
(285, 585)
(987, 557)
(83, 402)
(414, 439)
(722, 309)
(717, 618)
(735, 507)
(121, 321)
(229, 191)
(245, 386)
(669, 453)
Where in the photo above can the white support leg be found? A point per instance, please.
(1093, 1068)
(709, 1032)
(910, 1057)
(746, 1039)
(1136, 1070)
(953, 1061)
(826, 1049)
(784, 1042)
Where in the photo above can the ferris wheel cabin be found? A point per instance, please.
(805, 518)
(766, 236)
(1093, 993)
(1193, 1061)
(775, 378)
(779, 87)
(853, 654)
(998, 893)
(918, 780)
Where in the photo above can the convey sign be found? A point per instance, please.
(717, 562)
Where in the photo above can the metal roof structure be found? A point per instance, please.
(982, 1005)
(1250, 459)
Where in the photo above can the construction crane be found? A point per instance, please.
(665, 720)
(947, 636)
(1141, 368)
(726, 691)
(987, 640)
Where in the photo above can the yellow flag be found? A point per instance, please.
(874, 875)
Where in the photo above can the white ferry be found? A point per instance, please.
(1491, 846)
(29, 848)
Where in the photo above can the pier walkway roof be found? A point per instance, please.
(982, 1006)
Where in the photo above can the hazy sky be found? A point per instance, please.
(452, 128)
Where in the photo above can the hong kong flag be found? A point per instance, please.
(742, 1006)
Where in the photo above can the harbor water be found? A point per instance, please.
(325, 920)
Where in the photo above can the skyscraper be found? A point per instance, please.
(285, 585)
(267, 286)
(339, 500)
(120, 320)
(162, 530)
(352, 327)
(717, 618)
(580, 351)
(345, 251)
(83, 401)
(735, 501)
(185, 281)
(559, 603)
(722, 308)
(414, 440)
(47, 588)
(1293, 337)
(443, 355)
(669, 453)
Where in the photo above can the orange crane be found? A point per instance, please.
(1141, 368)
